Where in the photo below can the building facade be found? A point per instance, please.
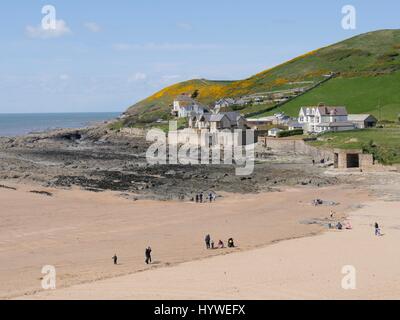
(184, 106)
(217, 122)
(363, 121)
(324, 118)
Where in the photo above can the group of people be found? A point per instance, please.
(339, 226)
(147, 256)
(202, 198)
(210, 244)
(347, 225)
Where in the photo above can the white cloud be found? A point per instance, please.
(164, 46)
(60, 30)
(139, 76)
(92, 26)
(184, 26)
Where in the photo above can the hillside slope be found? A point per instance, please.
(377, 95)
(369, 59)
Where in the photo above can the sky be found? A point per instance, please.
(103, 56)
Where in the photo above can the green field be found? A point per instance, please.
(378, 95)
(383, 143)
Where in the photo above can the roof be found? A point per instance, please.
(227, 100)
(212, 117)
(361, 117)
(232, 116)
(295, 124)
(327, 110)
(335, 111)
(184, 98)
(336, 124)
(193, 105)
(266, 119)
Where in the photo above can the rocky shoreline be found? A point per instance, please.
(99, 159)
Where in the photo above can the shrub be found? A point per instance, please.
(384, 156)
(116, 126)
(289, 133)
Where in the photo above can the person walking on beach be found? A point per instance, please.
(197, 198)
(377, 229)
(115, 259)
(148, 255)
(208, 241)
(210, 197)
(201, 197)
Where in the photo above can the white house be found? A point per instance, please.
(224, 103)
(323, 118)
(184, 106)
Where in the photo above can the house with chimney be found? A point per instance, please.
(217, 122)
(322, 118)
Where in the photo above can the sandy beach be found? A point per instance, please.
(78, 232)
(307, 268)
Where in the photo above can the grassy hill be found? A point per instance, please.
(369, 67)
(378, 95)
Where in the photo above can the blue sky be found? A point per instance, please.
(106, 55)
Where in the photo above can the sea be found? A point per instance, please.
(12, 125)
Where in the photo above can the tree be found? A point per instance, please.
(195, 94)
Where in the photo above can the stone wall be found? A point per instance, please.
(206, 138)
(366, 161)
(297, 146)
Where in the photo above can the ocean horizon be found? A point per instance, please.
(18, 124)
